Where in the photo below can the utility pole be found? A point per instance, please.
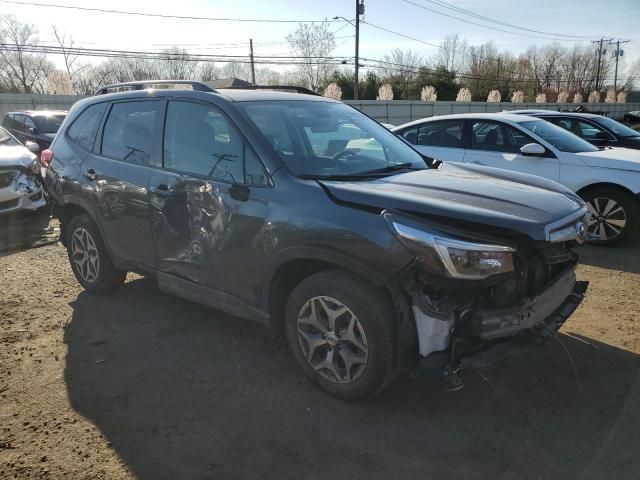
(253, 67)
(359, 11)
(617, 53)
(600, 43)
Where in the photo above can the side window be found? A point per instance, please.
(199, 139)
(130, 130)
(28, 123)
(441, 134)
(7, 121)
(18, 122)
(411, 135)
(589, 131)
(84, 128)
(488, 136)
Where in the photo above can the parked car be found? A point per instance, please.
(39, 126)
(20, 186)
(607, 179)
(362, 253)
(632, 117)
(595, 129)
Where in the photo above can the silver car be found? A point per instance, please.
(21, 188)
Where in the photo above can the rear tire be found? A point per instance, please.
(89, 259)
(341, 332)
(615, 215)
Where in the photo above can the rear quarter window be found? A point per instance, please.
(83, 130)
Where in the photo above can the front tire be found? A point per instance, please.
(615, 216)
(340, 331)
(89, 259)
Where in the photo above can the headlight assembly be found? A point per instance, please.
(460, 258)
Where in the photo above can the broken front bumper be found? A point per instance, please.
(486, 353)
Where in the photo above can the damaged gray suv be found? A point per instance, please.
(302, 213)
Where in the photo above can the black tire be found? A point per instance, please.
(101, 279)
(627, 209)
(375, 317)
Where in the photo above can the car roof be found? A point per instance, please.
(546, 113)
(38, 113)
(471, 116)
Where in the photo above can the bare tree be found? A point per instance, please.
(451, 53)
(401, 68)
(21, 70)
(312, 43)
(177, 65)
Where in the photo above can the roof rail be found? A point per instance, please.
(282, 88)
(144, 84)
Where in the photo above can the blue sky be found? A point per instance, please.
(616, 18)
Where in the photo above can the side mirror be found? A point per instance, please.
(532, 150)
(33, 147)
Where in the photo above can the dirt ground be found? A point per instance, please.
(143, 385)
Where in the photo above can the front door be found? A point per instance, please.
(210, 203)
(497, 144)
(117, 176)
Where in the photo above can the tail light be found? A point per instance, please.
(45, 157)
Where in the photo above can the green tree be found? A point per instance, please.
(442, 79)
(368, 87)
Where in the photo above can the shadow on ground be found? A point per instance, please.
(184, 392)
(624, 258)
(27, 230)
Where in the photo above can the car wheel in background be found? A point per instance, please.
(615, 215)
(340, 330)
(89, 259)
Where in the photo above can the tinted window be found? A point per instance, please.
(18, 122)
(28, 123)
(437, 134)
(318, 139)
(84, 128)
(558, 137)
(586, 130)
(49, 123)
(7, 121)
(199, 139)
(130, 130)
(498, 137)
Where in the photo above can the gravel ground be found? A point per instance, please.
(143, 385)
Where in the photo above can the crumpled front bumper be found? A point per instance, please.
(500, 350)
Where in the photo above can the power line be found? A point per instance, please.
(464, 11)
(161, 15)
(400, 34)
(482, 25)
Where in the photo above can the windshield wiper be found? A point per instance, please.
(388, 169)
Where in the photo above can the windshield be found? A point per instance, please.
(616, 127)
(49, 123)
(325, 139)
(558, 137)
(6, 139)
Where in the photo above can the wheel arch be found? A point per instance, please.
(70, 209)
(617, 186)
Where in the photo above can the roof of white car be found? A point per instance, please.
(473, 116)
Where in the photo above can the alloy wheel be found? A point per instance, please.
(332, 339)
(85, 255)
(608, 219)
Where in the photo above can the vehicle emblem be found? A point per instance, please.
(581, 232)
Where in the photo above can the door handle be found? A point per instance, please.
(91, 174)
(161, 190)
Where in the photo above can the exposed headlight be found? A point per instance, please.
(461, 259)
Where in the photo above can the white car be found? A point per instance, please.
(607, 179)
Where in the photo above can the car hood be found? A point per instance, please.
(477, 194)
(617, 158)
(15, 156)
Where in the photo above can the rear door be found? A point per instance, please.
(442, 139)
(497, 144)
(117, 175)
(209, 204)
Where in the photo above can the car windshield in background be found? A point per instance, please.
(617, 127)
(330, 140)
(558, 137)
(49, 123)
(6, 139)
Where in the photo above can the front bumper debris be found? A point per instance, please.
(490, 352)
